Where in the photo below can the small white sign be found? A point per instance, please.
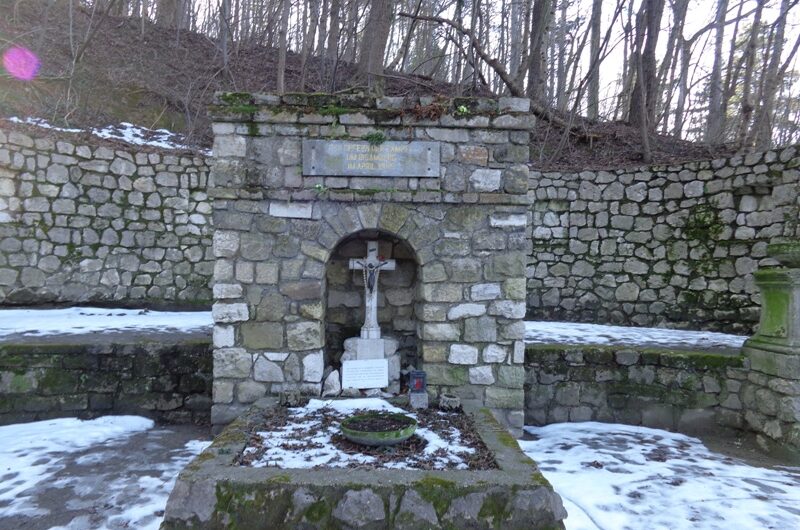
(370, 373)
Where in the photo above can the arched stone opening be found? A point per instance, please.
(396, 296)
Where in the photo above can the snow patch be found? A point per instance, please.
(82, 320)
(596, 334)
(624, 477)
(29, 452)
(126, 132)
(281, 447)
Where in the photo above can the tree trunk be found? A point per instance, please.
(747, 81)
(308, 41)
(761, 133)
(594, 51)
(373, 44)
(715, 126)
(641, 95)
(332, 50)
(667, 69)
(322, 28)
(560, 91)
(540, 20)
(683, 89)
(515, 36)
(224, 30)
(648, 24)
(173, 13)
(284, 28)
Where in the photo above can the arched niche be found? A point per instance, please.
(397, 298)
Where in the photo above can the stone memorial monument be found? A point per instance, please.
(298, 190)
(367, 358)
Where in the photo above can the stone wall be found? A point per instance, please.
(691, 392)
(162, 380)
(81, 223)
(668, 246)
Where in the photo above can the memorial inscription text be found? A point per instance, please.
(358, 158)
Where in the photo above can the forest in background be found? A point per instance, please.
(662, 80)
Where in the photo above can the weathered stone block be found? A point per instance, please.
(481, 329)
(259, 335)
(227, 313)
(463, 354)
(232, 362)
(304, 335)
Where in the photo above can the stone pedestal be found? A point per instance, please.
(356, 348)
(775, 348)
(771, 396)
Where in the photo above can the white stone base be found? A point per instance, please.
(357, 348)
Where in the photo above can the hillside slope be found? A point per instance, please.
(161, 78)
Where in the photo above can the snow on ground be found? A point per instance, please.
(110, 472)
(621, 477)
(117, 472)
(80, 320)
(596, 334)
(127, 132)
(282, 448)
(27, 452)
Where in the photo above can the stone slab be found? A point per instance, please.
(362, 159)
(371, 373)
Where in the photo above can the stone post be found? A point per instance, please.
(772, 396)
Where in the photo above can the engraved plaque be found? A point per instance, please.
(372, 373)
(362, 159)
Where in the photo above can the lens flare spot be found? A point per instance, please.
(21, 63)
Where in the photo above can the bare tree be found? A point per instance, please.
(541, 14)
(373, 45)
(593, 109)
(648, 24)
(281, 82)
(715, 129)
(761, 133)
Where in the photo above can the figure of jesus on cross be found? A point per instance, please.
(371, 266)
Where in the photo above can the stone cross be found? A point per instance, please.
(372, 265)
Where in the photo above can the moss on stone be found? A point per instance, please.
(318, 511)
(538, 479)
(437, 491)
(375, 138)
(505, 438)
(494, 507)
(20, 384)
(335, 110)
(699, 360)
(236, 98)
(58, 381)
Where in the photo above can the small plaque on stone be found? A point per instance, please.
(364, 159)
(371, 373)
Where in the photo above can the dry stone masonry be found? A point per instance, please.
(672, 246)
(280, 218)
(166, 377)
(83, 223)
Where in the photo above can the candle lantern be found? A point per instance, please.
(417, 381)
(418, 389)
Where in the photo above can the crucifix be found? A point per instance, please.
(371, 267)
